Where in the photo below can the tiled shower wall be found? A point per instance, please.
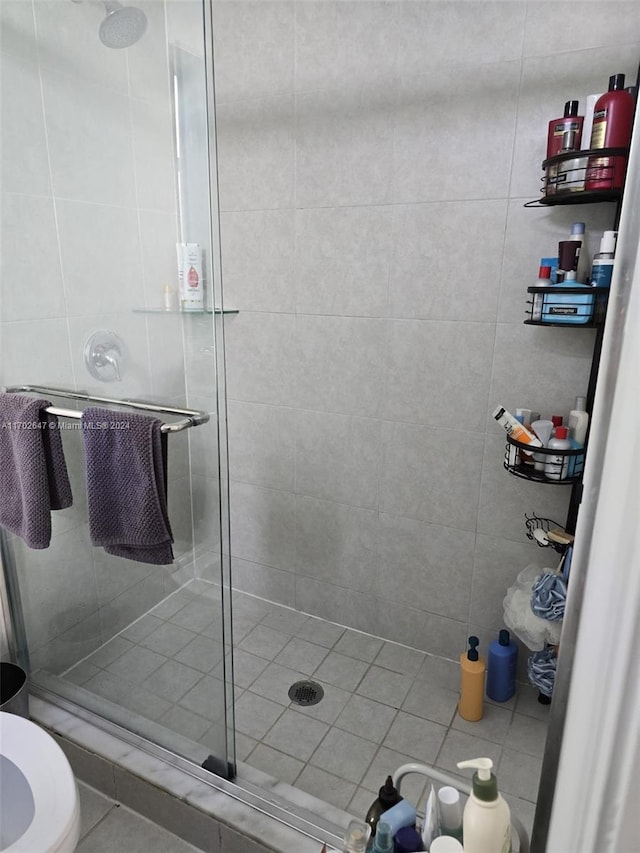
(88, 237)
(374, 159)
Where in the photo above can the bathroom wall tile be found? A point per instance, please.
(205, 497)
(147, 59)
(265, 581)
(130, 605)
(100, 252)
(262, 525)
(431, 161)
(325, 786)
(547, 82)
(358, 645)
(338, 457)
(261, 444)
(254, 44)
(336, 543)
(57, 585)
(275, 763)
(555, 371)
(418, 391)
(362, 715)
(344, 754)
(115, 575)
(340, 43)
(93, 807)
(441, 636)
(158, 234)
(533, 234)
(68, 42)
(426, 32)
(89, 133)
(496, 564)
(260, 358)
(134, 365)
(166, 357)
(505, 499)
(344, 145)
(30, 259)
(87, 766)
(432, 277)
(342, 260)
(425, 565)
(296, 735)
(256, 153)
(431, 474)
(340, 364)
(519, 774)
(25, 166)
(125, 828)
(592, 26)
(154, 155)
(17, 31)
(257, 259)
(408, 733)
(68, 647)
(527, 735)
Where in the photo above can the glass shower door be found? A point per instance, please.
(105, 170)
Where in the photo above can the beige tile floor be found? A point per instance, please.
(384, 704)
(107, 827)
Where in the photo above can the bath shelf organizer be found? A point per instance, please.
(560, 186)
(519, 462)
(557, 305)
(444, 779)
(189, 417)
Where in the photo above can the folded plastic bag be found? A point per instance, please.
(531, 629)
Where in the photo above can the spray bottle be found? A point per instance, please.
(486, 823)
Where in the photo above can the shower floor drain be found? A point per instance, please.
(306, 693)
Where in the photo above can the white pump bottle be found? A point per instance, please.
(486, 823)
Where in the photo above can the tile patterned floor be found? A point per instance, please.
(107, 827)
(384, 704)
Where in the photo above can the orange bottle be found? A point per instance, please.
(472, 670)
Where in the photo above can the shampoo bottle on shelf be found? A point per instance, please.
(501, 668)
(612, 120)
(472, 670)
(570, 122)
(602, 269)
(557, 467)
(486, 822)
(578, 423)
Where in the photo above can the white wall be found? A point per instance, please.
(374, 159)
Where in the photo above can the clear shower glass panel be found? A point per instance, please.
(105, 172)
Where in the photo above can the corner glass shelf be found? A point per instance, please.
(186, 313)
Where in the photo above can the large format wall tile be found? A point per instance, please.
(445, 148)
(612, 24)
(263, 525)
(339, 364)
(338, 457)
(260, 351)
(254, 45)
(30, 263)
(90, 141)
(446, 260)
(438, 372)
(262, 444)
(342, 260)
(35, 352)
(431, 474)
(25, 166)
(17, 32)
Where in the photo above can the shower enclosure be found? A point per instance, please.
(375, 265)
(105, 169)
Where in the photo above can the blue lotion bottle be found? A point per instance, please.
(501, 668)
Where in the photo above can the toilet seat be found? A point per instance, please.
(55, 827)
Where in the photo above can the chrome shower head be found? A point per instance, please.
(123, 26)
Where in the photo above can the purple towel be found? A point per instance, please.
(33, 473)
(125, 485)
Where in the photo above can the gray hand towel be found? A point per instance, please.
(33, 472)
(125, 485)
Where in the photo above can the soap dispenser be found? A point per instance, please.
(486, 822)
(472, 669)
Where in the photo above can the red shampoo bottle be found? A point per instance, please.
(559, 126)
(612, 120)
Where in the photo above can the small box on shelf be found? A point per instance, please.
(558, 305)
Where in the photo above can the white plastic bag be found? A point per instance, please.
(534, 632)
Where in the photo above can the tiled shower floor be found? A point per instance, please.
(384, 704)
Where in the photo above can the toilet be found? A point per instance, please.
(39, 806)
